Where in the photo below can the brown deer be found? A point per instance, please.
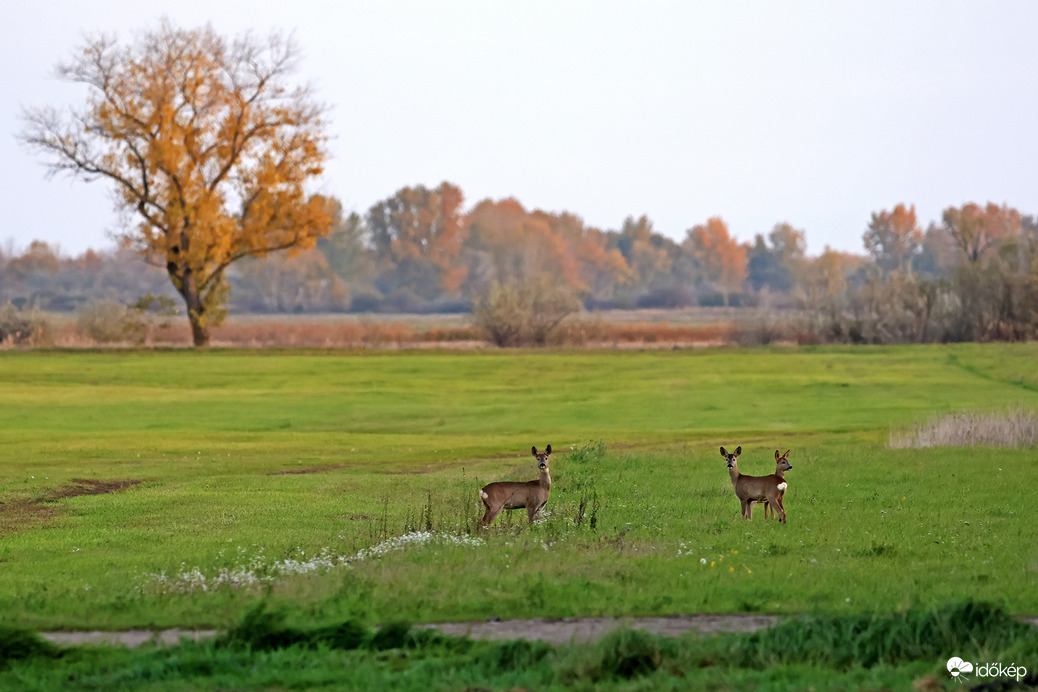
(750, 489)
(532, 495)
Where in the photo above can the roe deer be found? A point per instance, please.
(781, 466)
(750, 489)
(532, 495)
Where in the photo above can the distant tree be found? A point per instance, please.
(976, 230)
(649, 255)
(39, 258)
(207, 146)
(346, 248)
(938, 254)
(721, 258)
(893, 238)
(418, 235)
(506, 244)
(826, 291)
(778, 265)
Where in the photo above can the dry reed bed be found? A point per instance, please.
(297, 332)
(1015, 427)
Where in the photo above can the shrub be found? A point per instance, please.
(526, 313)
(107, 322)
(25, 327)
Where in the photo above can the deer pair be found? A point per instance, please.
(532, 495)
(766, 489)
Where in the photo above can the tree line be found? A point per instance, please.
(210, 148)
(972, 275)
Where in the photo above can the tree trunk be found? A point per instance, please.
(199, 331)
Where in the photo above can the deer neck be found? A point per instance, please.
(780, 472)
(733, 472)
(545, 478)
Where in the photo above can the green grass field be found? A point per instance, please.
(158, 489)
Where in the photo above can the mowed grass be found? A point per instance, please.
(292, 476)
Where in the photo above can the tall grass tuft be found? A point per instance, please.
(842, 641)
(1011, 428)
(584, 463)
(18, 644)
(621, 654)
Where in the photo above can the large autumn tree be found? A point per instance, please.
(207, 144)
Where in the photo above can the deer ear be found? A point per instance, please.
(534, 448)
(777, 457)
(786, 454)
(547, 450)
(723, 453)
(738, 450)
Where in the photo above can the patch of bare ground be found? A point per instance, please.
(23, 512)
(310, 469)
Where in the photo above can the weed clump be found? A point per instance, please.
(18, 644)
(621, 654)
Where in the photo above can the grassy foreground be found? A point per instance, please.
(155, 489)
(260, 652)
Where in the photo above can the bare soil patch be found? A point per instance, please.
(23, 512)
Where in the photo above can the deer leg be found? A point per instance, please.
(490, 514)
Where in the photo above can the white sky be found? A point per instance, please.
(814, 113)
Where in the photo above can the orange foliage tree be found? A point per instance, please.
(893, 238)
(507, 245)
(975, 230)
(418, 235)
(721, 257)
(207, 145)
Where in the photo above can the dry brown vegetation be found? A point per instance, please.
(1010, 428)
(614, 329)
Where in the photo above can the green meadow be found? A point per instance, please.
(182, 489)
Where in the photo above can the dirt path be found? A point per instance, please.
(551, 630)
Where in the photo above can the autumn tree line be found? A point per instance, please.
(973, 275)
(210, 150)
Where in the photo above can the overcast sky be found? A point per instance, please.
(812, 113)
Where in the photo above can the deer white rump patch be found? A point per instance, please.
(783, 486)
(483, 494)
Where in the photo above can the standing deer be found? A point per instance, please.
(532, 495)
(750, 489)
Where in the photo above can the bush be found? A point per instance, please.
(24, 327)
(526, 313)
(107, 322)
